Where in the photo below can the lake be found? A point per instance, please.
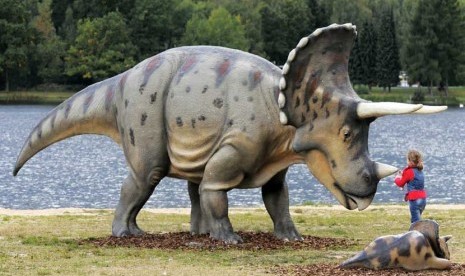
(87, 171)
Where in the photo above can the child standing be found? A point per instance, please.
(413, 176)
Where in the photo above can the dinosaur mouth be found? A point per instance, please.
(361, 203)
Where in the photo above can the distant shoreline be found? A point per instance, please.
(186, 211)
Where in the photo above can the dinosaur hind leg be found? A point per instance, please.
(134, 194)
(198, 221)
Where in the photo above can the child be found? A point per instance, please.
(413, 176)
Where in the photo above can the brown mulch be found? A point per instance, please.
(255, 241)
(330, 269)
(184, 240)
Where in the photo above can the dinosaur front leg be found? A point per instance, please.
(222, 173)
(198, 221)
(276, 198)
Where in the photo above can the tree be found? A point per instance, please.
(367, 50)
(388, 64)
(433, 37)
(355, 64)
(151, 22)
(15, 37)
(284, 23)
(50, 50)
(220, 29)
(102, 48)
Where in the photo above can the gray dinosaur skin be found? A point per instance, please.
(211, 116)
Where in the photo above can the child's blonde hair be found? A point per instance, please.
(414, 156)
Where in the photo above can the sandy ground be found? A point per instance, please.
(84, 211)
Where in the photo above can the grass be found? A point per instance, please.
(398, 94)
(33, 97)
(48, 245)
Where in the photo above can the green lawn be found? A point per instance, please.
(48, 245)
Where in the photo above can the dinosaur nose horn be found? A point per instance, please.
(383, 170)
(374, 110)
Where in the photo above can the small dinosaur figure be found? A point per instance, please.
(224, 119)
(418, 249)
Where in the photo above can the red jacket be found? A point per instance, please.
(415, 183)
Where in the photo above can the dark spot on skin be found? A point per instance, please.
(68, 109)
(255, 78)
(122, 82)
(297, 102)
(141, 89)
(244, 83)
(205, 88)
(333, 71)
(323, 53)
(315, 115)
(302, 118)
(218, 102)
(172, 95)
(230, 122)
(116, 111)
(153, 97)
(252, 117)
(333, 164)
(126, 102)
(201, 118)
(327, 113)
(186, 67)
(193, 122)
(179, 122)
(131, 136)
(236, 98)
(310, 127)
(421, 243)
(52, 120)
(188, 89)
(315, 99)
(143, 118)
(244, 129)
(39, 131)
(196, 72)
(427, 256)
(88, 101)
(122, 131)
(250, 99)
(327, 95)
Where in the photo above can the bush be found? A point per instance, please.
(418, 97)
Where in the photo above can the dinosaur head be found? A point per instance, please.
(332, 121)
(430, 229)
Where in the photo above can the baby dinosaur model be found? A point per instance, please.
(224, 119)
(420, 248)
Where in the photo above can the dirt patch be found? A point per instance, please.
(329, 269)
(184, 240)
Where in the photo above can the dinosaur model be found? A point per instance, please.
(418, 249)
(224, 119)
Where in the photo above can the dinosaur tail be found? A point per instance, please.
(359, 260)
(90, 111)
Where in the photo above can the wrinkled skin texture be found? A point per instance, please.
(216, 117)
(413, 250)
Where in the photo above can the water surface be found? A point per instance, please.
(87, 171)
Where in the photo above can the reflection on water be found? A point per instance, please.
(87, 171)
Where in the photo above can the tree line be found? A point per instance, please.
(78, 42)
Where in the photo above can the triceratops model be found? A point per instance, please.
(224, 119)
(420, 248)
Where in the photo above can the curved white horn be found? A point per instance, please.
(373, 110)
(428, 109)
(383, 170)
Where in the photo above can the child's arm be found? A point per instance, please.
(406, 176)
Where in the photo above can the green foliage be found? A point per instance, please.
(387, 54)
(434, 53)
(102, 48)
(220, 28)
(418, 96)
(15, 39)
(39, 38)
